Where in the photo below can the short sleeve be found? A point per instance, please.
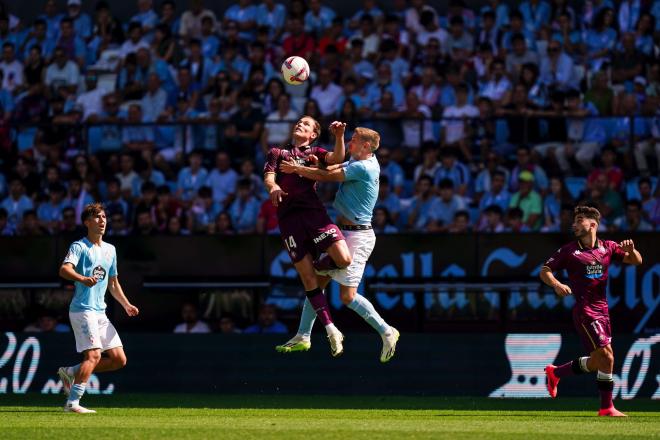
(618, 254)
(557, 261)
(271, 160)
(356, 170)
(113, 265)
(74, 254)
(321, 153)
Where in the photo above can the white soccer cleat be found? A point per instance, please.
(69, 407)
(67, 380)
(389, 345)
(336, 343)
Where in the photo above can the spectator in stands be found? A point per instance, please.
(49, 212)
(203, 210)
(127, 174)
(245, 208)
(385, 83)
(16, 203)
(557, 69)
(382, 221)
(461, 223)
(257, 188)
(47, 323)
(146, 16)
(627, 61)
(419, 214)
(497, 87)
(516, 26)
(444, 207)
(524, 163)
(70, 223)
(633, 221)
(456, 127)
(62, 72)
(118, 226)
(557, 197)
(645, 188)
(191, 322)
(278, 124)
(608, 167)
(601, 38)
(192, 177)
(497, 195)
(392, 170)
(430, 164)
(227, 326)
(6, 229)
(326, 93)
(451, 168)
(459, 39)
(416, 124)
(645, 149)
(388, 199)
(272, 15)
(609, 201)
(298, 42)
(514, 221)
(154, 100)
(108, 32)
(222, 181)
(491, 220)
(519, 55)
(529, 201)
(29, 225)
(267, 218)
(267, 322)
(137, 138)
(114, 202)
(72, 41)
(52, 18)
(12, 68)
(244, 129)
(91, 101)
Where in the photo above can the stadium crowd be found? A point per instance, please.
(492, 119)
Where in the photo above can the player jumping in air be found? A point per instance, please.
(355, 202)
(91, 264)
(305, 227)
(587, 261)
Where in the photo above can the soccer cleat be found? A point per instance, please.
(553, 380)
(336, 343)
(297, 343)
(611, 412)
(67, 380)
(70, 407)
(389, 345)
(318, 266)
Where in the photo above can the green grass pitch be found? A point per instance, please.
(160, 416)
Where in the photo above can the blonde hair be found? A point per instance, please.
(368, 135)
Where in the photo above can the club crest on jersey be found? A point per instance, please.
(577, 252)
(99, 273)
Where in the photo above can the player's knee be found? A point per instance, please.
(120, 361)
(94, 356)
(347, 297)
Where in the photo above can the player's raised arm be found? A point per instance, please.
(337, 156)
(549, 279)
(632, 255)
(333, 174)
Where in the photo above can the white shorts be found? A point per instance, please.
(93, 330)
(360, 245)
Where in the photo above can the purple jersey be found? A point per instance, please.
(587, 273)
(301, 190)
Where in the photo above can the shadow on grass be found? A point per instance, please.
(275, 401)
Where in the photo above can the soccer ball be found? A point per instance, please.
(295, 70)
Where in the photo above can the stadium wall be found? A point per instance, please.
(495, 365)
(634, 292)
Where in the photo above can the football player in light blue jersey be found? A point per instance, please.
(355, 202)
(91, 264)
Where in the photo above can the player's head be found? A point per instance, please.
(364, 142)
(306, 130)
(585, 221)
(93, 217)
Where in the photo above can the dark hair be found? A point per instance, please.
(456, 20)
(91, 211)
(244, 184)
(517, 37)
(29, 213)
(148, 186)
(425, 177)
(588, 212)
(515, 213)
(634, 202)
(495, 209)
(205, 192)
(515, 14)
(134, 25)
(446, 184)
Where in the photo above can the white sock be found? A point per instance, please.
(604, 376)
(330, 328)
(583, 364)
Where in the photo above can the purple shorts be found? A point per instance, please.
(308, 232)
(595, 331)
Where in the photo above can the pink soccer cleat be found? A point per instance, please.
(552, 381)
(611, 412)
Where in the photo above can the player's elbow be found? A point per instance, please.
(63, 271)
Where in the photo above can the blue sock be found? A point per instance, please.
(307, 318)
(77, 391)
(365, 309)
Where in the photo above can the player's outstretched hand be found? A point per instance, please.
(131, 310)
(562, 290)
(276, 196)
(89, 281)
(288, 167)
(337, 128)
(627, 246)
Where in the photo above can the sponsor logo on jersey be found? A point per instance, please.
(329, 233)
(593, 270)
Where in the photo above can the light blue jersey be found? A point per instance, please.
(89, 260)
(357, 195)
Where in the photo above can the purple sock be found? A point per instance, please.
(325, 263)
(605, 388)
(565, 370)
(320, 304)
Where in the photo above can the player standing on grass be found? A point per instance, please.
(91, 264)
(355, 202)
(305, 227)
(587, 261)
